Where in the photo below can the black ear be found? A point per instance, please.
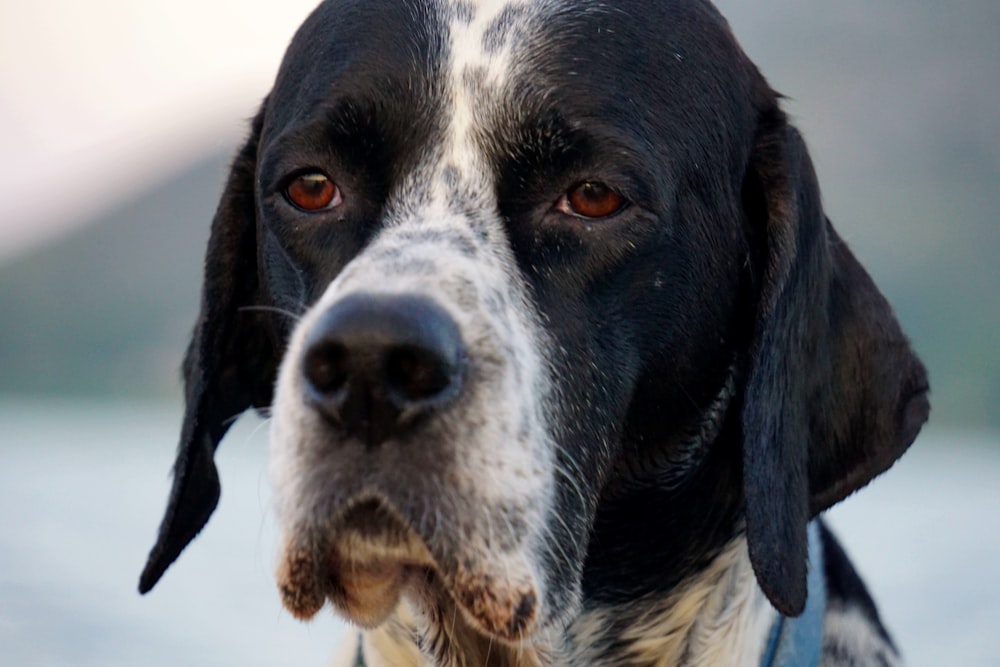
(230, 363)
(834, 394)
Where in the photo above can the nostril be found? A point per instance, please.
(415, 374)
(326, 367)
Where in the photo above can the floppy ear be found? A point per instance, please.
(834, 394)
(230, 363)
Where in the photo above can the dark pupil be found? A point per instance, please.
(312, 186)
(594, 192)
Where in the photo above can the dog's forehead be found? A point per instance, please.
(440, 49)
(481, 52)
(450, 82)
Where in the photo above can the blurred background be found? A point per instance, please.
(117, 121)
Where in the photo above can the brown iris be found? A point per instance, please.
(591, 199)
(313, 192)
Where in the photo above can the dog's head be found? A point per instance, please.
(492, 265)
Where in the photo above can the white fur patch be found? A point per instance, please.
(470, 56)
(495, 441)
(720, 618)
(850, 640)
(478, 71)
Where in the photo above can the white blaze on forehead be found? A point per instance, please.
(479, 67)
(471, 51)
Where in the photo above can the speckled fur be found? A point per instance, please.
(431, 245)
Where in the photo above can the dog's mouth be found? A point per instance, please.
(369, 558)
(360, 564)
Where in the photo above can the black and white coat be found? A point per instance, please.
(561, 353)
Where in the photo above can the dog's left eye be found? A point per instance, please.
(313, 192)
(591, 199)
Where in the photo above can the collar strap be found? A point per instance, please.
(798, 642)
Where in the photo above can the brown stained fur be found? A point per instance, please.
(505, 614)
(301, 590)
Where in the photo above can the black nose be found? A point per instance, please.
(375, 364)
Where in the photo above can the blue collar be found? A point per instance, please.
(798, 642)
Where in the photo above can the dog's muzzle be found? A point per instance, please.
(393, 477)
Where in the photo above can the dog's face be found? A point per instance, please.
(476, 185)
(528, 246)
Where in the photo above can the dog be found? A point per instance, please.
(562, 357)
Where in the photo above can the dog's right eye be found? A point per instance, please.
(313, 192)
(591, 200)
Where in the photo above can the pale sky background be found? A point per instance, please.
(91, 91)
(100, 98)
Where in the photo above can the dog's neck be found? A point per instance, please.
(718, 617)
(671, 512)
(700, 604)
(692, 595)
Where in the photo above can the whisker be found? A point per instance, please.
(265, 422)
(229, 421)
(265, 413)
(295, 317)
(489, 649)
